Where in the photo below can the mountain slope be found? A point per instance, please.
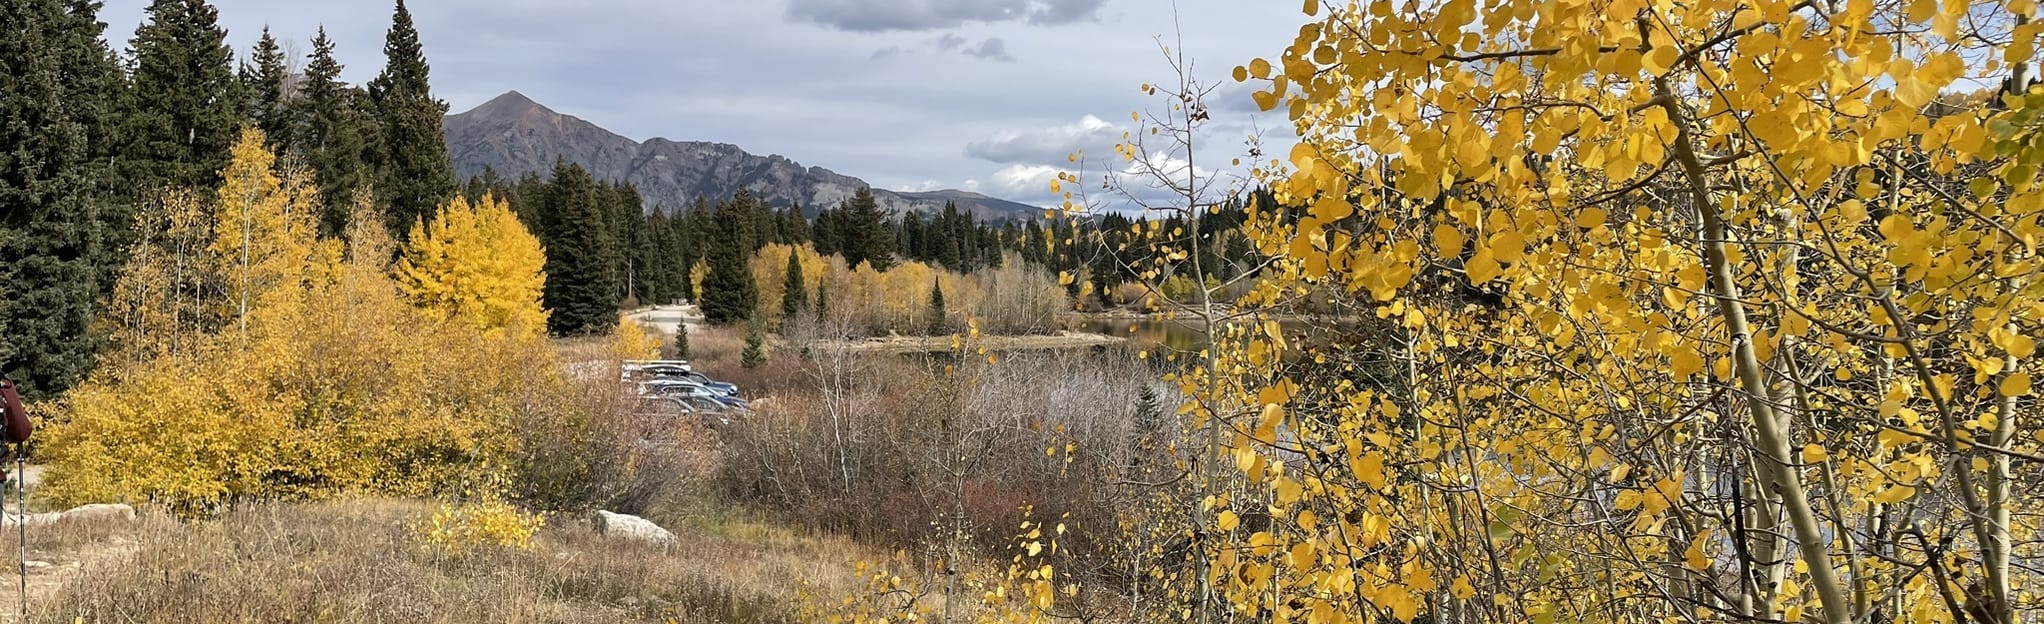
(515, 135)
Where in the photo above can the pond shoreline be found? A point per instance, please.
(939, 344)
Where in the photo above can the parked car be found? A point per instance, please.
(728, 389)
(680, 388)
(676, 373)
(657, 371)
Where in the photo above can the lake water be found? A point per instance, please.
(1175, 334)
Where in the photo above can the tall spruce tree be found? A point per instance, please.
(414, 173)
(865, 234)
(53, 235)
(825, 233)
(333, 140)
(580, 288)
(266, 79)
(729, 294)
(190, 101)
(755, 353)
(794, 289)
(95, 98)
(939, 318)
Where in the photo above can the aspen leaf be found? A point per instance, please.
(1590, 218)
(1265, 101)
(1894, 494)
(1482, 268)
(1694, 557)
(1814, 453)
(1303, 556)
(1915, 93)
(2015, 384)
(1370, 469)
(1448, 240)
(1288, 491)
(1227, 520)
(1659, 60)
(1331, 208)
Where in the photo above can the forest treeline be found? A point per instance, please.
(103, 136)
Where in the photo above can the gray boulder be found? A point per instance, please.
(626, 526)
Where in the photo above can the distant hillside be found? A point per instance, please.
(516, 135)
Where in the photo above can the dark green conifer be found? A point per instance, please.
(191, 100)
(581, 290)
(333, 132)
(265, 79)
(729, 294)
(865, 234)
(794, 289)
(939, 321)
(415, 174)
(55, 88)
(755, 354)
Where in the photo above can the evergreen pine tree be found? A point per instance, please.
(939, 323)
(95, 90)
(332, 139)
(190, 100)
(414, 172)
(798, 226)
(794, 291)
(729, 294)
(866, 236)
(51, 233)
(266, 81)
(580, 289)
(681, 341)
(911, 239)
(825, 233)
(754, 354)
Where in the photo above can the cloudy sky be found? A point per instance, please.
(986, 95)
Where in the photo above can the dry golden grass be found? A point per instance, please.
(361, 561)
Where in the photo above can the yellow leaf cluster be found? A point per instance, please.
(478, 264)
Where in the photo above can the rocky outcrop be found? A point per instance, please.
(630, 527)
(514, 136)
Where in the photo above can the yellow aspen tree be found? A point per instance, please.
(264, 228)
(478, 264)
(1678, 312)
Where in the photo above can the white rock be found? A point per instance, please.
(101, 512)
(631, 527)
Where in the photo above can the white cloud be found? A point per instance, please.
(1090, 134)
(1029, 184)
(914, 15)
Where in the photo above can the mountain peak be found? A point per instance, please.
(511, 104)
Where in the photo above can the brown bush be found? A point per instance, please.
(904, 450)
